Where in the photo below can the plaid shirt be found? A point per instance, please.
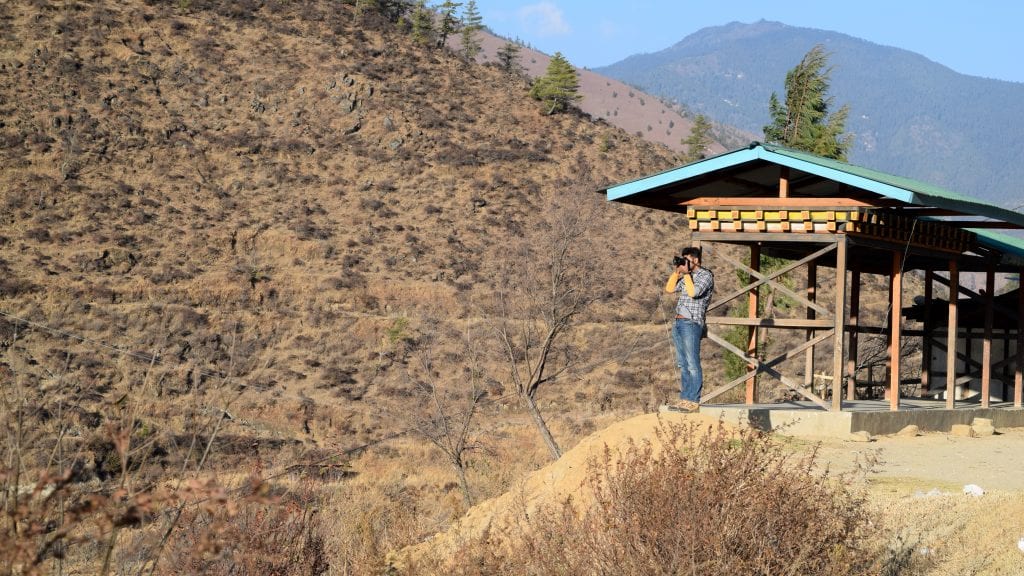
(695, 308)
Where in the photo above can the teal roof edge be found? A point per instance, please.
(1003, 242)
(726, 160)
(887, 185)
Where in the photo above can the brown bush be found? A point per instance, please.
(281, 538)
(721, 503)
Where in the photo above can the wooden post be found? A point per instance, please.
(969, 355)
(840, 322)
(951, 330)
(752, 305)
(926, 338)
(895, 330)
(1004, 373)
(986, 344)
(851, 363)
(1018, 373)
(812, 284)
(783, 182)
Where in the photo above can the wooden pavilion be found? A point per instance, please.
(820, 214)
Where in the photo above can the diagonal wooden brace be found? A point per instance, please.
(771, 280)
(767, 367)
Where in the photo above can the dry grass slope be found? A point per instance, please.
(237, 237)
(234, 228)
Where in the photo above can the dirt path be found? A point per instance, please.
(937, 460)
(917, 489)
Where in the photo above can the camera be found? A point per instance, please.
(680, 261)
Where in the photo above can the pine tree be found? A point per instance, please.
(472, 23)
(804, 122)
(698, 141)
(423, 24)
(508, 58)
(449, 23)
(393, 10)
(559, 87)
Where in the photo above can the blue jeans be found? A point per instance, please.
(686, 336)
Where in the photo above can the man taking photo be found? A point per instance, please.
(695, 285)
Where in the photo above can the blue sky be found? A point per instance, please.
(976, 37)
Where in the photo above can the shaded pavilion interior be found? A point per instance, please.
(834, 222)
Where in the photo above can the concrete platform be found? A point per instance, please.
(873, 416)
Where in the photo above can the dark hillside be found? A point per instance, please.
(253, 230)
(250, 255)
(277, 192)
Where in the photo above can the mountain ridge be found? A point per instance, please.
(910, 116)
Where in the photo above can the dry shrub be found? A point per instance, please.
(277, 536)
(370, 521)
(722, 503)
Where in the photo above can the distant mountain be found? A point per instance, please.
(910, 116)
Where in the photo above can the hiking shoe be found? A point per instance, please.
(685, 406)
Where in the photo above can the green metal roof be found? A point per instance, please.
(742, 172)
(1011, 247)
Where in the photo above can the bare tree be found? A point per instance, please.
(543, 287)
(446, 410)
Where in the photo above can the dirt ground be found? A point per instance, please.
(917, 487)
(937, 460)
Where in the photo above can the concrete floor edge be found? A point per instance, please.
(794, 419)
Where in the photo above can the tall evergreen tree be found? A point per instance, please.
(804, 122)
(699, 139)
(393, 10)
(449, 23)
(559, 87)
(423, 24)
(508, 58)
(472, 23)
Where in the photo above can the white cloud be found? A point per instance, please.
(543, 19)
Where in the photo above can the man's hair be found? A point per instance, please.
(692, 251)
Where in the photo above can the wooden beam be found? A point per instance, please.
(771, 279)
(986, 344)
(987, 224)
(800, 323)
(1018, 372)
(951, 333)
(964, 290)
(915, 211)
(767, 368)
(926, 341)
(896, 307)
(761, 366)
(812, 285)
(752, 313)
(851, 363)
(775, 203)
(838, 322)
(764, 237)
(764, 280)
